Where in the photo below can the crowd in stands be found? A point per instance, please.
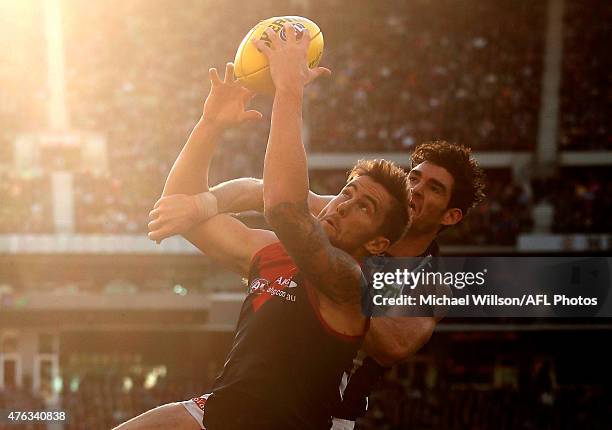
(437, 70)
(474, 408)
(118, 205)
(104, 401)
(25, 204)
(505, 212)
(465, 379)
(586, 76)
(409, 72)
(16, 399)
(582, 200)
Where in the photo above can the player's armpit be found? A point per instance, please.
(331, 270)
(229, 242)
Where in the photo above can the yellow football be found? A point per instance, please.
(251, 66)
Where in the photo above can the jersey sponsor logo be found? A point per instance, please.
(267, 290)
(258, 286)
(281, 292)
(285, 282)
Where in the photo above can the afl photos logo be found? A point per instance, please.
(258, 286)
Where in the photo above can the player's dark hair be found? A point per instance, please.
(394, 180)
(469, 178)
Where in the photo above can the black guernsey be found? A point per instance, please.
(283, 369)
(364, 379)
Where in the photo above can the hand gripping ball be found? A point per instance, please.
(251, 66)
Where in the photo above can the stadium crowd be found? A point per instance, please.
(435, 70)
(104, 401)
(474, 408)
(16, 399)
(586, 76)
(25, 204)
(397, 81)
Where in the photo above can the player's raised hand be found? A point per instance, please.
(226, 103)
(288, 59)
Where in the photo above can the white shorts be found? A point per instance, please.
(340, 424)
(195, 407)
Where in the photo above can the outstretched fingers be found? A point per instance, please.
(229, 73)
(214, 76)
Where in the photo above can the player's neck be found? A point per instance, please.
(412, 244)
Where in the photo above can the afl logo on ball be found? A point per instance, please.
(258, 286)
(299, 30)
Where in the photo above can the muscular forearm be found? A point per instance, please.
(285, 166)
(189, 174)
(246, 194)
(391, 340)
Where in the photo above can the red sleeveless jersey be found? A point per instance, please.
(285, 363)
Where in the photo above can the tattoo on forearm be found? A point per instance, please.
(331, 270)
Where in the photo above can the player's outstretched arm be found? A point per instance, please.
(226, 240)
(330, 269)
(229, 242)
(224, 108)
(179, 213)
(246, 194)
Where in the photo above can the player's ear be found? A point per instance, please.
(378, 245)
(451, 217)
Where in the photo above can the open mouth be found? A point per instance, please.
(412, 206)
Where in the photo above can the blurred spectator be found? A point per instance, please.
(586, 72)
(15, 399)
(25, 204)
(105, 399)
(406, 72)
(484, 408)
(583, 201)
